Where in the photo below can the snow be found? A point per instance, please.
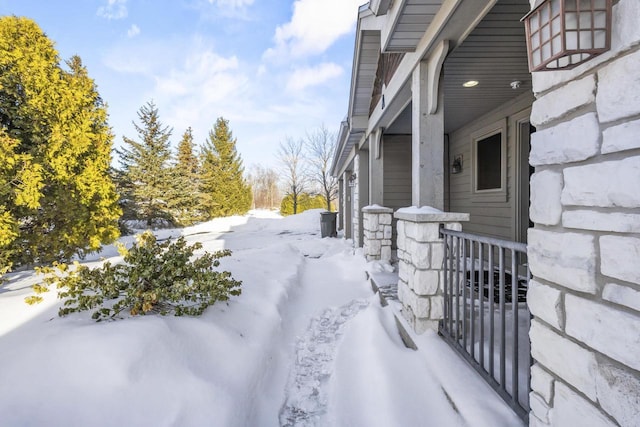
(306, 343)
(420, 210)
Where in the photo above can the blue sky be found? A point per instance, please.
(273, 68)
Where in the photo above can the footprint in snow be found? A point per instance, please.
(306, 392)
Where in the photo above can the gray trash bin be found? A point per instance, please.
(328, 224)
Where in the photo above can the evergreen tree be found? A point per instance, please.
(185, 198)
(146, 166)
(56, 196)
(224, 188)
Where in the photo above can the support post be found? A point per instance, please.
(427, 142)
(376, 169)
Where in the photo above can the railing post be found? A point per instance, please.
(421, 263)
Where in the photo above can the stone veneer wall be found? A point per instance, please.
(377, 233)
(584, 251)
(421, 262)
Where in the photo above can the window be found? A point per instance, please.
(490, 160)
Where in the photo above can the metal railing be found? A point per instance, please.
(486, 318)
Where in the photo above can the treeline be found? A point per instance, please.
(59, 195)
(193, 185)
(306, 174)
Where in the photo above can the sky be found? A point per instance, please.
(275, 69)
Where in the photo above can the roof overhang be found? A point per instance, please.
(347, 139)
(379, 7)
(363, 74)
(407, 21)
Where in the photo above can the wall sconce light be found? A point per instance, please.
(562, 34)
(456, 167)
(352, 180)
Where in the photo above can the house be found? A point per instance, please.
(511, 198)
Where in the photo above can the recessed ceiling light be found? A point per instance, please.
(470, 83)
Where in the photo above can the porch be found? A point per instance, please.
(441, 118)
(469, 288)
(445, 124)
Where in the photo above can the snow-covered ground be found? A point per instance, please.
(306, 344)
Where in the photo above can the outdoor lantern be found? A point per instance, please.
(562, 34)
(456, 167)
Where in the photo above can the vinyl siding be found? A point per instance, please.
(397, 171)
(397, 175)
(491, 214)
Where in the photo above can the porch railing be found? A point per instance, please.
(486, 318)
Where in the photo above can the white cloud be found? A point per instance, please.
(313, 76)
(314, 27)
(115, 9)
(133, 31)
(192, 84)
(233, 4)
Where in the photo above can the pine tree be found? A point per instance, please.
(146, 166)
(185, 198)
(57, 197)
(224, 188)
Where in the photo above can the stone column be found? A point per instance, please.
(584, 251)
(421, 262)
(377, 233)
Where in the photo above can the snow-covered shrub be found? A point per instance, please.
(156, 277)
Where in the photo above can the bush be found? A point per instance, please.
(305, 202)
(154, 278)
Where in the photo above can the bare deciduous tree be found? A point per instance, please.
(264, 182)
(320, 147)
(292, 158)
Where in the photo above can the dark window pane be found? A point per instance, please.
(488, 162)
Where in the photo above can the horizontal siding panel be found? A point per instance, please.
(397, 171)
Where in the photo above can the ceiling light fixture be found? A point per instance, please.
(470, 83)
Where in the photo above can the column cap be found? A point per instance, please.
(429, 214)
(376, 209)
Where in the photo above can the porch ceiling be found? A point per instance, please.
(410, 21)
(494, 54)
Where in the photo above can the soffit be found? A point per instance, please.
(364, 72)
(409, 21)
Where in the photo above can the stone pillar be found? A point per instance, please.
(584, 251)
(377, 233)
(421, 262)
(427, 144)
